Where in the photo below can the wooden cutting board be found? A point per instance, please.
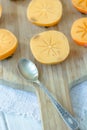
(56, 77)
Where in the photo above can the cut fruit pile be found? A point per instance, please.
(79, 31)
(50, 47)
(44, 12)
(8, 44)
(80, 5)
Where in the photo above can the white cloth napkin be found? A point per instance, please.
(18, 102)
(79, 102)
(16, 122)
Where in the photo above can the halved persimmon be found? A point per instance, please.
(8, 44)
(80, 5)
(79, 31)
(44, 12)
(50, 47)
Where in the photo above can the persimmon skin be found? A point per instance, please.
(80, 9)
(8, 44)
(79, 31)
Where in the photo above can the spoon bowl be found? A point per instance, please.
(29, 71)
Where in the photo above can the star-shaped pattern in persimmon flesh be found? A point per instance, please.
(82, 1)
(50, 48)
(82, 29)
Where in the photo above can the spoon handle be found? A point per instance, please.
(66, 116)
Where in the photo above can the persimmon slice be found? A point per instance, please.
(79, 31)
(8, 44)
(50, 47)
(80, 5)
(44, 12)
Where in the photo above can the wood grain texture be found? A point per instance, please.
(56, 77)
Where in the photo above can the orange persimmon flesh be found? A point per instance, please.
(8, 44)
(44, 12)
(79, 31)
(80, 5)
(0, 11)
(50, 47)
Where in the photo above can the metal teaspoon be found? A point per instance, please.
(30, 72)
